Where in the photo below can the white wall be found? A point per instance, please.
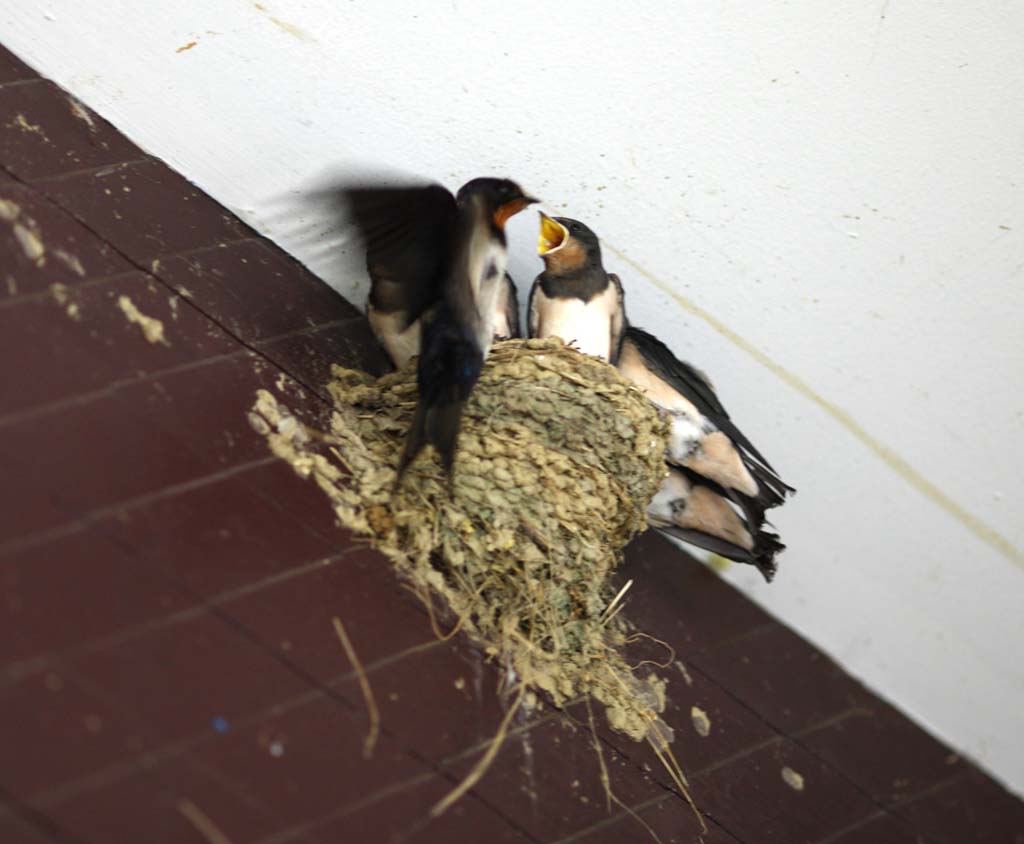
(821, 203)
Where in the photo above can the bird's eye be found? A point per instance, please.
(574, 229)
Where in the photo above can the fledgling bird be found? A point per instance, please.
(718, 485)
(574, 298)
(439, 290)
(714, 463)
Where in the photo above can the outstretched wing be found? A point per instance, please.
(408, 232)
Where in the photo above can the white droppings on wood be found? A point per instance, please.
(9, 211)
(70, 261)
(792, 779)
(152, 328)
(82, 113)
(21, 122)
(31, 243)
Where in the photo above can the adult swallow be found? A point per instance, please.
(574, 298)
(718, 485)
(387, 313)
(437, 266)
(398, 298)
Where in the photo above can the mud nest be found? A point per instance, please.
(557, 461)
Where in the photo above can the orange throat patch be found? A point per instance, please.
(507, 211)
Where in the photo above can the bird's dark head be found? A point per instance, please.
(500, 198)
(567, 246)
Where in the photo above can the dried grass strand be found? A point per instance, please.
(480, 768)
(364, 684)
(202, 823)
(606, 780)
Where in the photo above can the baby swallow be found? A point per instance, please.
(574, 298)
(440, 290)
(718, 485)
(715, 462)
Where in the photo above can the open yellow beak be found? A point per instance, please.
(552, 237)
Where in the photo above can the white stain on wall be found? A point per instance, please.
(821, 204)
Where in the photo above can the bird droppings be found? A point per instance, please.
(684, 672)
(31, 243)
(70, 261)
(276, 749)
(792, 779)
(152, 328)
(26, 232)
(21, 122)
(701, 722)
(60, 293)
(558, 457)
(82, 113)
(9, 211)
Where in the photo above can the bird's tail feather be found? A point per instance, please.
(449, 367)
(766, 546)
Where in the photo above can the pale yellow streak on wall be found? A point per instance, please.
(982, 531)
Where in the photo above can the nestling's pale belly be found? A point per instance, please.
(584, 325)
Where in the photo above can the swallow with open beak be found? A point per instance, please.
(718, 485)
(574, 298)
(439, 290)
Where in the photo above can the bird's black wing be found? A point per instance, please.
(531, 323)
(762, 557)
(691, 383)
(766, 542)
(408, 232)
(512, 308)
(619, 322)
